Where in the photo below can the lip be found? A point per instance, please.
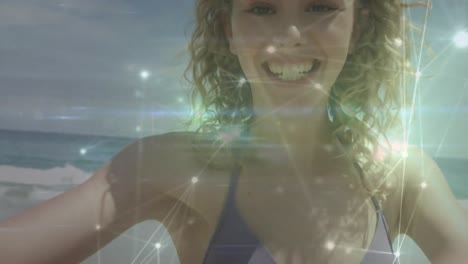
(309, 78)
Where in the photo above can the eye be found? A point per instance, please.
(322, 8)
(266, 10)
(261, 10)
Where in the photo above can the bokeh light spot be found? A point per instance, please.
(144, 74)
(461, 39)
(330, 245)
(423, 185)
(271, 49)
(83, 151)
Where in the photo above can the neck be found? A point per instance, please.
(291, 137)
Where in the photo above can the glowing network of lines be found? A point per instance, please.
(460, 40)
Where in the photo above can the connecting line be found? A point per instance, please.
(160, 226)
(444, 50)
(184, 195)
(411, 116)
(410, 219)
(428, 2)
(187, 193)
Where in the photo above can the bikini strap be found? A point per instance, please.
(376, 204)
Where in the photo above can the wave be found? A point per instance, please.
(57, 176)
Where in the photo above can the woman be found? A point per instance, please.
(286, 166)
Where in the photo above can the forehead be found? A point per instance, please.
(299, 3)
(292, 2)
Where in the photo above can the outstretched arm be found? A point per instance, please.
(431, 215)
(67, 228)
(74, 225)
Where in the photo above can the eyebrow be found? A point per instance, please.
(338, 1)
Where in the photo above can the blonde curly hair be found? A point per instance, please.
(365, 101)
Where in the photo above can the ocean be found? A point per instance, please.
(36, 166)
(40, 150)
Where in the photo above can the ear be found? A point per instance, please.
(228, 33)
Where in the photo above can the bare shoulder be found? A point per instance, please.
(193, 193)
(405, 164)
(157, 165)
(152, 155)
(184, 176)
(429, 212)
(171, 155)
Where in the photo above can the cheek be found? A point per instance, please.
(247, 38)
(335, 37)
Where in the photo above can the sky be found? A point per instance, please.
(74, 66)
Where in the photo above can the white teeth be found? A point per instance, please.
(291, 72)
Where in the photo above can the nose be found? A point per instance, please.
(291, 38)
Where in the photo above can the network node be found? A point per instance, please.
(271, 49)
(398, 42)
(461, 39)
(144, 74)
(330, 245)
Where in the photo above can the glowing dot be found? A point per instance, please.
(180, 99)
(157, 245)
(98, 227)
(418, 74)
(404, 154)
(242, 81)
(397, 254)
(398, 42)
(330, 245)
(423, 185)
(144, 74)
(271, 49)
(83, 151)
(318, 86)
(461, 39)
(138, 129)
(194, 179)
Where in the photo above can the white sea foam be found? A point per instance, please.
(49, 177)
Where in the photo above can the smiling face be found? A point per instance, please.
(290, 49)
